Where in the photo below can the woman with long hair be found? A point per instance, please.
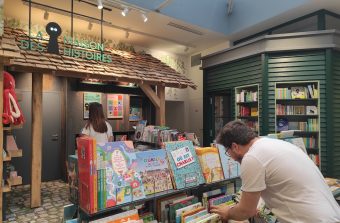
(96, 126)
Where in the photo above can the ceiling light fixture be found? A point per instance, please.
(46, 15)
(127, 34)
(125, 11)
(100, 4)
(145, 18)
(89, 27)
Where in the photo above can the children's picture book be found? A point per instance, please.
(153, 166)
(196, 216)
(184, 164)
(210, 163)
(190, 213)
(231, 168)
(282, 124)
(127, 216)
(212, 218)
(224, 199)
(86, 148)
(72, 173)
(122, 182)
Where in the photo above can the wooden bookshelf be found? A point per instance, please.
(11, 127)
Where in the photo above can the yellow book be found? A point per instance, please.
(210, 163)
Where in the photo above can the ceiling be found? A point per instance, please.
(194, 25)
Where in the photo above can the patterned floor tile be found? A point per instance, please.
(54, 196)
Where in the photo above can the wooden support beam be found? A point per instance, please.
(151, 94)
(160, 113)
(37, 87)
(1, 131)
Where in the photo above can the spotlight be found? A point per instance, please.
(125, 11)
(46, 15)
(89, 27)
(145, 18)
(127, 34)
(100, 4)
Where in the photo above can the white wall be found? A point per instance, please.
(194, 100)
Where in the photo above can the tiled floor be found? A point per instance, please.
(54, 196)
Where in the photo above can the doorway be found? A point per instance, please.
(51, 151)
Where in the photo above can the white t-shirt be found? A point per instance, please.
(100, 137)
(290, 183)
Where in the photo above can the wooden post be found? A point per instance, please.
(37, 82)
(1, 132)
(160, 113)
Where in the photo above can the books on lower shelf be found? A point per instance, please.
(311, 125)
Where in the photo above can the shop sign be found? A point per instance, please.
(90, 50)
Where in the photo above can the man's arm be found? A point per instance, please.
(245, 209)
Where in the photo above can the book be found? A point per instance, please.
(185, 168)
(130, 216)
(311, 110)
(86, 147)
(210, 163)
(231, 168)
(298, 93)
(282, 124)
(186, 215)
(72, 173)
(207, 195)
(153, 167)
(122, 180)
(212, 218)
(220, 200)
(195, 217)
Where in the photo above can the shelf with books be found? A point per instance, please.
(297, 107)
(247, 105)
(153, 197)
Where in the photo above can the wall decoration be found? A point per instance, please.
(115, 106)
(88, 98)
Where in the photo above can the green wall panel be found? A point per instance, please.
(336, 114)
(301, 66)
(225, 77)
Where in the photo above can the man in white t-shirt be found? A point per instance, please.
(282, 174)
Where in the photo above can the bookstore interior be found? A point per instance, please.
(161, 162)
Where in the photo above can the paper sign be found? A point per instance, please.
(182, 157)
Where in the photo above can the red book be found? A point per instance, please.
(86, 147)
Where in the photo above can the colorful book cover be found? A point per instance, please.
(127, 216)
(196, 216)
(224, 199)
(122, 181)
(178, 205)
(87, 171)
(212, 218)
(180, 211)
(153, 167)
(72, 169)
(231, 168)
(184, 164)
(191, 213)
(210, 164)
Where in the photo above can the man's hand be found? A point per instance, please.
(222, 211)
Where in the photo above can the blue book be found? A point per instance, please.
(153, 166)
(231, 168)
(122, 182)
(184, 164)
